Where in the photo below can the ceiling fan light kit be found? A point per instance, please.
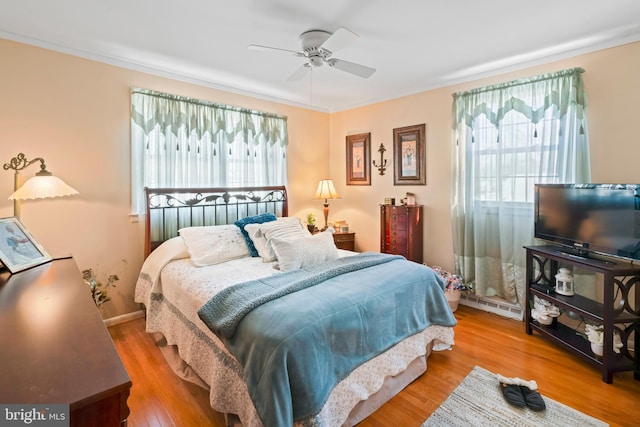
(318, 47)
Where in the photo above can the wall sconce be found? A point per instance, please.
(42, 185)
(383, 162)
(326, 190)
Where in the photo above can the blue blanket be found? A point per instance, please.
(225, 310)
(302, 332)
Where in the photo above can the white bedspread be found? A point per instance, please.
(173, 290)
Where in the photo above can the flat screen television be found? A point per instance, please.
(584, 218)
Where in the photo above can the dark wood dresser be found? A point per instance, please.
(401, 231)
(55, 349)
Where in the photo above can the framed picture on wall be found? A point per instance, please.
(359, 159)
(18, 249)
(409, 155)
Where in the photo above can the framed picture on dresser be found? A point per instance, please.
(18, 249)
(409, 155)
(359, 159)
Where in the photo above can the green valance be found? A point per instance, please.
(174, 114)
(560, 91)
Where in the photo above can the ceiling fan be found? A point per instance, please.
(318, 47)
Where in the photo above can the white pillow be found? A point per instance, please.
(258, 239)
(214, 244)
(288, 227)
(296, 253)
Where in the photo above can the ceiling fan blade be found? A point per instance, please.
(274, 49)
(299, 73)
(339, 40)
(351, 67)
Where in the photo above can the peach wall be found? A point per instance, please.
(74, 113)
(612, 81)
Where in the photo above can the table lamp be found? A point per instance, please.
(326, 190)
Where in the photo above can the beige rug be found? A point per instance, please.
(478, 401)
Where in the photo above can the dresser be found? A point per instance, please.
(55, 348)
(401, 229)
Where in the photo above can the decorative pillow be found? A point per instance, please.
(256, 219)
(294, 254)
(282, 227)
(258, 240)
(214, 244)
(285, 231)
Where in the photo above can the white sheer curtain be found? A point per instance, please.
(184, 142)
(506, 138)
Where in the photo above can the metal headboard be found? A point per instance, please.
(170, 209)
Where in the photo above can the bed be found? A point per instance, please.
(195, 263)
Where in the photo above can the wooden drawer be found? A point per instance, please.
(397, 240)
(345, 241)
(398, 222)
(392, 248)
(401, 210)
(400, 235)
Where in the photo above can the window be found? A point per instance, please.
(508, 166)
(508, 137)
(183, 142)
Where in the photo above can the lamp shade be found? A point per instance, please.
(42, 186)
(326, 190)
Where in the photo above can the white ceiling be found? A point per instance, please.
(415, 45)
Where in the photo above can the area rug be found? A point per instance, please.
(478, 401)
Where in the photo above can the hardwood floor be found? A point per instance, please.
(159, 398)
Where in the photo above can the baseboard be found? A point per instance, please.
(491, 305)
(123, 318)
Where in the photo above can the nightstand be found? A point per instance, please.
(345, 241)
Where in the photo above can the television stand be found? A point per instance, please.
(618, 314)
(584, 255)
